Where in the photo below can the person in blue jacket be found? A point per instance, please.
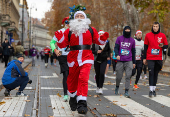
(15, 76)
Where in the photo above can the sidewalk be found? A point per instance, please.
(2, 69)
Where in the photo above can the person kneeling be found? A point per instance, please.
(15, 76)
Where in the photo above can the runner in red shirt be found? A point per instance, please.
(47, 52)
(154, 44)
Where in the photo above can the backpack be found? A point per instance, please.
(69, 36)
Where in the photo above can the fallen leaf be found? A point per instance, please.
(107, 106)
(1, 103)
(49, 106)
(115, 101)
(148, 104)
(7, 98)
(89, 95)
(168, 95)
(96, 96)
(50, 116)
(4, 111)
(54, 108)
(58, 95)
(26, 115)
(28, 100)
(100, 100)
(123, 105)
(162, 106)
(62, 107)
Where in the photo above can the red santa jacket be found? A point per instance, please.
(47, 51)
(80, 56)
(153, 41)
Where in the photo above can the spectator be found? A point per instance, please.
(15, 76)
(19, 49)
(11, 53)
(6, 51)
(33, 54)
(1, 53)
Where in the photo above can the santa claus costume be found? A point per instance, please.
(80, 58)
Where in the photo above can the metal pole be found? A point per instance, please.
(30, 31)
(22, 23)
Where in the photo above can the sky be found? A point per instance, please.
(41, 5)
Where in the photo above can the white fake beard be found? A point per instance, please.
(79, 26)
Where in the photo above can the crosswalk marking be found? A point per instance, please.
(51, 88)
(94, 84)
(14, 106)
(111, 77)
(46, 77)
(61, 108)
(160, 99)
(133, 107)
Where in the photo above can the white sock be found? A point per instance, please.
(151, 88)
(154, 87)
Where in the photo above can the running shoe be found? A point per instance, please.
(150, 93)
(126, 94)
(145, 77)
(154, 93)
(20, 93)
(100, 91)
(65, 99)
(116, 90)
(135, 86)
(114, 73)
(97, 90)
(7, 92)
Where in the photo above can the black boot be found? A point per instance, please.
(154, 93)
(73, 103)
(150, 93)
(82, 107)
(7, 92)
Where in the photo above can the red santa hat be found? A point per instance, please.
(65, 19)
(101, 31)
(138, 31)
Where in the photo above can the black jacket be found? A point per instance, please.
(1, 50)
(11, 51)
(6, 50)
(105, 53)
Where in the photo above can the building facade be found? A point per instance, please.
(9, 20)
(40, 36)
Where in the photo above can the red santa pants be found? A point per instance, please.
(77, 81)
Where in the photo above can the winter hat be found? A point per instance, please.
(81, 12)
(101, 31)
(33, 46)
(138, 31)
(19, 55)
(65, 21)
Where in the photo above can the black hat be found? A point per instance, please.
(19, 55)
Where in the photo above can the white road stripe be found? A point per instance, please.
(50, 88)
(111, 77)
(160, 99)
(94, 84)
(54, 76)
(133, 107)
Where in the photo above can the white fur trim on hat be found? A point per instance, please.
(138, 31)
(101, 32)
(81, 12)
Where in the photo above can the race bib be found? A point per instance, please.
(155, 51)
(138, 57)
(125, 52)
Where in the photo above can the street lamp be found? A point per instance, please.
(32, 6)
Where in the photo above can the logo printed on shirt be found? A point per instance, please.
(125, 44)
(159, 39)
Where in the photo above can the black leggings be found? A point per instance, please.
(100, 71)
(139, 71)
(46, 58)
(51, 59)
(114, 65)
(144, 68)
(6, 59)
(65, 75)
(154, 66)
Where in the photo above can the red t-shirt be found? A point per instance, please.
(46, 51)
(155, 52)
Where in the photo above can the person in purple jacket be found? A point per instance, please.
(33, 54)
(125, 54)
